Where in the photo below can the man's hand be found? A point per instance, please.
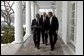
(35, 26)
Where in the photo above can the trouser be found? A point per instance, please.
(46, 37)
(36, 38)
(53, 39)
(43, 35)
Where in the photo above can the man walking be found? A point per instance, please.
(44, 24)
(36, 31)
(53, 28)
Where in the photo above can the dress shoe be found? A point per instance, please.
(46, 44)
(52, 49)
(38, 48)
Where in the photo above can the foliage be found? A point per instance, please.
(8, 36)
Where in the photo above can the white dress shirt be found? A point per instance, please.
(50, 20)
(37, 20)
(44, 18)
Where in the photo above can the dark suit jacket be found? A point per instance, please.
(54, 25)
(44, 24)
(35, 27)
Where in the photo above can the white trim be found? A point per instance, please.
(26, 37)
(71, 50)
(72, 42)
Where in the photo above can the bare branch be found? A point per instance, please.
(11, 13)
(11, 7)
(7, 12)
(3, 12)
(3, 16)
(12, 4)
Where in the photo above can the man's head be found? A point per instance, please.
(50, 14)
(37, 16)
(44, 14)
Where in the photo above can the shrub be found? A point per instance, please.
(8, 36)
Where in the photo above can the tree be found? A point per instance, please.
(7, 11)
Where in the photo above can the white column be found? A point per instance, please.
(53, 11)
(64, 21)
(79, 36)
(56, 8)
(32, 10)
(28, 20)
(18, 22)
(28, 17)
(35, 9)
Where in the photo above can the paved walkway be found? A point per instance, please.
(28, 49)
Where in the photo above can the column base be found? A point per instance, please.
(26, 37)
(17, 42)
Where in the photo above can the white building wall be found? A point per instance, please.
(68, 21)
(64, 21)
(61, 13)
(59, 16)
(79, 36)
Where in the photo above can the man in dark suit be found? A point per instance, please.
(44, 29)
(36, 31)
(53, 29)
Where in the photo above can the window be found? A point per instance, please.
(73, 22)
